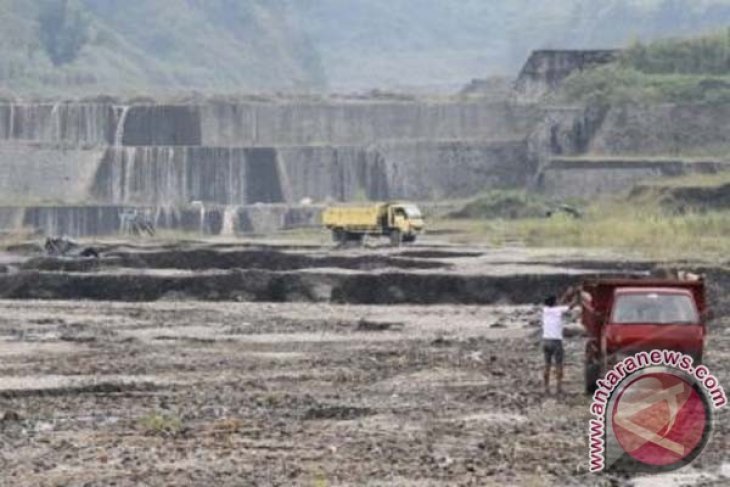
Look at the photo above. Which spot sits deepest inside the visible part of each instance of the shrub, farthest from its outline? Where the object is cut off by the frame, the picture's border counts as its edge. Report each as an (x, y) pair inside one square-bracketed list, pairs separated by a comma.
[(503, 204), (63, 30), (708, 54), (160, 424), (693, 70)]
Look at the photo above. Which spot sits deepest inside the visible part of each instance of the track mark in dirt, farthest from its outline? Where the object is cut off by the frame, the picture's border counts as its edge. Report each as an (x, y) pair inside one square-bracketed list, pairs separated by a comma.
[(365, 325), (98, 388), (334, 412)]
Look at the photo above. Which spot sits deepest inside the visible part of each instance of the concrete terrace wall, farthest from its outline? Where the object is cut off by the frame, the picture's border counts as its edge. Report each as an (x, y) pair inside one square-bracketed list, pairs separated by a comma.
[(99, 220), (361, 123), (405, 170), (663, 129), (72, 168), (75, 124), (261, 124), (633, 130), (586, 178), (239, 176), (31, 175), (181, 175)]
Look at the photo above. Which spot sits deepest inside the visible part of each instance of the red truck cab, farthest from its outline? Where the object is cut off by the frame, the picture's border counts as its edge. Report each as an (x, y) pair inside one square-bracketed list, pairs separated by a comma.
[(626, 316)]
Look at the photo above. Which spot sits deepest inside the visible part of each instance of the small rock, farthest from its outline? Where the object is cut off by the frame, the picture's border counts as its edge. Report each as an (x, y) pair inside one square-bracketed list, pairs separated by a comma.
[(11, 416)]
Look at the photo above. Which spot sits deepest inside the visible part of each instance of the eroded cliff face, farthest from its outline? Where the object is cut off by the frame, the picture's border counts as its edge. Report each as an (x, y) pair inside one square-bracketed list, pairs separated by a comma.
[(546, 69)]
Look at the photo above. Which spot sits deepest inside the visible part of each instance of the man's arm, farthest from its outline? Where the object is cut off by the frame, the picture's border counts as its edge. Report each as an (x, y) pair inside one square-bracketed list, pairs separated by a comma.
[(571, 297)]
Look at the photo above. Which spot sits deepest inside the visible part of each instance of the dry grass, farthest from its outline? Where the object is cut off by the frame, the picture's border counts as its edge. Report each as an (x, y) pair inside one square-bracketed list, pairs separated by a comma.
[(647, 230), (696, 181), (160, 424)]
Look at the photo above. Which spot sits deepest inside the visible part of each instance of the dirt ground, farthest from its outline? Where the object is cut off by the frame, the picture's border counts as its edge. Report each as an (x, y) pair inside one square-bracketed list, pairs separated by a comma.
[(307, 392)]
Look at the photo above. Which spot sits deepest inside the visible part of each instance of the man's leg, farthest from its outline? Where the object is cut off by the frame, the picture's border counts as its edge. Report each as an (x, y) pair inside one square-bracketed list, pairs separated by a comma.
[(559, 367), (547, 352)]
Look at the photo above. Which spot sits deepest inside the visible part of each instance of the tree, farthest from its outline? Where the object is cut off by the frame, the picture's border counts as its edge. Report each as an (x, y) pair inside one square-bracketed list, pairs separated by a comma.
[(63, 30)]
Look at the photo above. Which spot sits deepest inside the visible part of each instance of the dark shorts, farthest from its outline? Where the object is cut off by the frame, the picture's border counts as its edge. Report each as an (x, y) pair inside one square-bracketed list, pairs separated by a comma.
[(553, 348)]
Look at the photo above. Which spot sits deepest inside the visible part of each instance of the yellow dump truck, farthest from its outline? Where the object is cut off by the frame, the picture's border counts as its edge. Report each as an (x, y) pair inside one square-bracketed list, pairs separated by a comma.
[(401, 222)]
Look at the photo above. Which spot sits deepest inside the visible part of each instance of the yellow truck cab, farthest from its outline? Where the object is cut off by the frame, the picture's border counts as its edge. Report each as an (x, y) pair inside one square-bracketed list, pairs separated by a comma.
[(399, 221)]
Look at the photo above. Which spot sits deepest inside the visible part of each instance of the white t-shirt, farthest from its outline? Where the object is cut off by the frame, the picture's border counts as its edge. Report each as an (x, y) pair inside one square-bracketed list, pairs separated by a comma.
[(552, 322)]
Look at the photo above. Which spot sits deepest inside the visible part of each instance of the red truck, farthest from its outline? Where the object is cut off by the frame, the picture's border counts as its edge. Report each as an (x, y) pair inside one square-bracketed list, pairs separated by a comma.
[(626, 316)]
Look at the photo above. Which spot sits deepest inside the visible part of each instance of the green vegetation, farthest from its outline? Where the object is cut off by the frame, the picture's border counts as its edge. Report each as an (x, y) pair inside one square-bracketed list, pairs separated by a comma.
[(647, 229), (671, 70), (680, 217), (63, 30), (85, 47), (707, 55), (504, 204), (160, 424), (694, 181)]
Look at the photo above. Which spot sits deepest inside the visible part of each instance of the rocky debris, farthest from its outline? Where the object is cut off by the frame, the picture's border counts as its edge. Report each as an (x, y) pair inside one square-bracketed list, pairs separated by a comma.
[(62, 246), (10, 416), (366, 325)]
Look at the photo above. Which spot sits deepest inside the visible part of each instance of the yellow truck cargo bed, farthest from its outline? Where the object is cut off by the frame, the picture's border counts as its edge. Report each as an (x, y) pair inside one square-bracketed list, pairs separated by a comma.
[(353, 216)]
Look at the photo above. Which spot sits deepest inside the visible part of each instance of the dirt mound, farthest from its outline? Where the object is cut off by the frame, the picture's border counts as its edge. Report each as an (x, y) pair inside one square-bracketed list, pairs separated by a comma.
[(198, 259), (503, 204), (264, 285)]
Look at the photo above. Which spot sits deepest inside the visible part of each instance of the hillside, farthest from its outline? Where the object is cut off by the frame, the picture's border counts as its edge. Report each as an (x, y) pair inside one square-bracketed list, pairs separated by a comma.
[(146, 46), (150, 46), (440, 44)]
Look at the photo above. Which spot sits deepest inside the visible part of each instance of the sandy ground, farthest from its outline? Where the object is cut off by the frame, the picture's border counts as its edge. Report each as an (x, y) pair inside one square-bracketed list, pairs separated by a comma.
[(224, 393)]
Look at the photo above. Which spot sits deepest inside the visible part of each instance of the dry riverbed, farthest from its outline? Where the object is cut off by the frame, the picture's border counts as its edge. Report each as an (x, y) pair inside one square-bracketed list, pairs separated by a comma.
[(304, 392)]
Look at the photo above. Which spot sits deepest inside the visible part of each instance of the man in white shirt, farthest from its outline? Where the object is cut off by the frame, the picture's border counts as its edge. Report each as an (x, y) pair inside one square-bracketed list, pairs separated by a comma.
[(553, 317)]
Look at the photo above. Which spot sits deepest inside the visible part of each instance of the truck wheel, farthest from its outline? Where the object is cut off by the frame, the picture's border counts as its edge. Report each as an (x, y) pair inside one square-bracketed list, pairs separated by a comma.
[(338, 236), (592, 374), (396, 238), (354, 237)]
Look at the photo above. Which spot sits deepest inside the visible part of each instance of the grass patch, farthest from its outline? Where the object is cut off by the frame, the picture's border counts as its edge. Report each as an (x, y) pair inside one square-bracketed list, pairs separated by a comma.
[(160, 424), (618, 84), (705, 54), (695, 181), (690, 70), (647, 229)]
